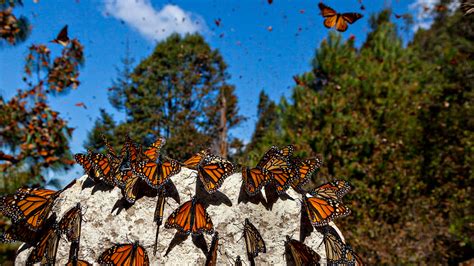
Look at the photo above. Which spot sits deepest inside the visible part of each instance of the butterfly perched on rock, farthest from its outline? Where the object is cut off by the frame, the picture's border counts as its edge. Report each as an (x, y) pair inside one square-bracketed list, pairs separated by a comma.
[(300, 254), (191, 217), (253, 240), (337, 20), (125, 254), (29, 205)]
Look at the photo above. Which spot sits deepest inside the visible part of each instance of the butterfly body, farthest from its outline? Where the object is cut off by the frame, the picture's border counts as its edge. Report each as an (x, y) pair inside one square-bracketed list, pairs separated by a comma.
[(190, 217), (339, 21)]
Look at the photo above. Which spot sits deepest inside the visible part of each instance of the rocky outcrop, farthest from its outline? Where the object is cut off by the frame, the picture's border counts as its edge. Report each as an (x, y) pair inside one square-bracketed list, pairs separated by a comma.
[(108, 219)]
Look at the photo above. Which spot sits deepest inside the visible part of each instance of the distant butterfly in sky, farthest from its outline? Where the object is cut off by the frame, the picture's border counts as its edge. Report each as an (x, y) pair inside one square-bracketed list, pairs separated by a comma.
[(338, 20), (62, 37)]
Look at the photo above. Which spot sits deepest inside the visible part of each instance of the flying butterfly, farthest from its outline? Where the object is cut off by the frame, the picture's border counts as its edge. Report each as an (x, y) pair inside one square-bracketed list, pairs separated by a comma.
[(322, 210), (300, 253), (338, 20), (125, 254), (304, 170), (194, 160), (153, 151), (62, 37), (277, 162), (158, 217), (31, 205), (190, 217), (213, 170), (45, 250), (253, 240), (211, 258), (333, 190)]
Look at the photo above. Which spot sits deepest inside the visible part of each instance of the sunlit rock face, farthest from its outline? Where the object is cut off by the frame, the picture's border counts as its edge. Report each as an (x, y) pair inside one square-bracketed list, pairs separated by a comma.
[(108, 219)]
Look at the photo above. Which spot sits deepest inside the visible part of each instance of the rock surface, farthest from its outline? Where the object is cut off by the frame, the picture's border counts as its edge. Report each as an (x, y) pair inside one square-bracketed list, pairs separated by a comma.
[(108, 219)]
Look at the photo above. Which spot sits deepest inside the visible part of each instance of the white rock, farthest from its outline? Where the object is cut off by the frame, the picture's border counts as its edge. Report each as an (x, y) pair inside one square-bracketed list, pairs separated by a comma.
[(106, 222)]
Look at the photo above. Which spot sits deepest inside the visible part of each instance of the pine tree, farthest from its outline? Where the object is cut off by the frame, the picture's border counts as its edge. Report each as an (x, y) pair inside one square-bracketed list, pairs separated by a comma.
[(178, 92)]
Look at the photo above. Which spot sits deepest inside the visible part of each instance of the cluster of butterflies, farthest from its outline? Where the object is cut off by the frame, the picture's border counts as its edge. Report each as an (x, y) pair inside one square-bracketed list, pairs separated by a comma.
[(136, 166)]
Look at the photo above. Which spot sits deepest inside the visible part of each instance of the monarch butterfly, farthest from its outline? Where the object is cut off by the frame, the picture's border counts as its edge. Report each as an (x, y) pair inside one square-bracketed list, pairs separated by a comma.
[(62, 37), (31, 205), (277, 162), (253, 240), (70, 223), (156, 174), (194, 160), (158, 217), (332, 18), (304, 170), (105, 167), (300, 253), (213, 170), (254, 179), (45, 250), (334, 190), (153, 151), (322, 210), (124, 254), (85, 161), (211, 259), (337, 252), (190, 217)]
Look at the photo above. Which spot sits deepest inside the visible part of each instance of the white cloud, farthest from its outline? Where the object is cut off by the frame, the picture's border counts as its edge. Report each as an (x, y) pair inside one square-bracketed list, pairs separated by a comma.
[(155, 25), (423, 10)]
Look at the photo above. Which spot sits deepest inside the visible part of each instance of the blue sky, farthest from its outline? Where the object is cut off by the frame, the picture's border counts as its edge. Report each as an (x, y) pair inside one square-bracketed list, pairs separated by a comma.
[(258, 59)]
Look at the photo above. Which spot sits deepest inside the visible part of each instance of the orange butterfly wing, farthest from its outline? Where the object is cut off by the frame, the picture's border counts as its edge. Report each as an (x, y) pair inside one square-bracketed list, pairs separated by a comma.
[(190, 217), (323, 210), (194, 160), (304, 170), (154, 150), (329, 14), (254, 179), (202, 222), (181, 218), (334, 190), (212, 172), (29, 205), (124, 254), (157, 173)]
